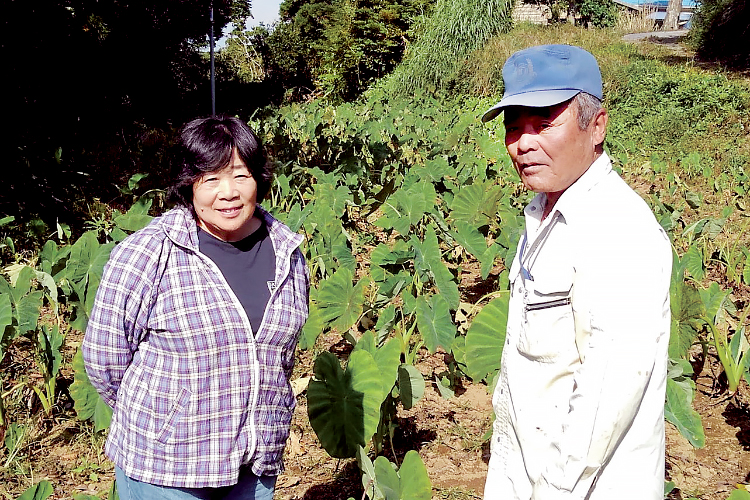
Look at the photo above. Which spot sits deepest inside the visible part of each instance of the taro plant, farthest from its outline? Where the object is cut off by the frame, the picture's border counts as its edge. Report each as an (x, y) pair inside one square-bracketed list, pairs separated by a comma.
[(732, 354), (382, 481)]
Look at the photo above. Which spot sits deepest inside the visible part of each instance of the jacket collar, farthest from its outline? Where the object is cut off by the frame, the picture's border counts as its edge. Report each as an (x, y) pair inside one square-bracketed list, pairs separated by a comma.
[(180, 227)]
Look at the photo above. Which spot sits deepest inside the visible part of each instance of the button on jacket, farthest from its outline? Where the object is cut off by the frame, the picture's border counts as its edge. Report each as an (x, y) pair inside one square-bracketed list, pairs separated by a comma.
[(579, 402), (196, 393)]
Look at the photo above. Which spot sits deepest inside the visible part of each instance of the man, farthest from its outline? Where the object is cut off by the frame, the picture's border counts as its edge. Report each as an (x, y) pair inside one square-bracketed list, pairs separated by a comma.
[(579, 402)]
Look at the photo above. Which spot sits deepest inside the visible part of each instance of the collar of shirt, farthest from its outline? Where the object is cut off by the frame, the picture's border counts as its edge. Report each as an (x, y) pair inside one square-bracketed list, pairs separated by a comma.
[(568, 205), (181, 228)]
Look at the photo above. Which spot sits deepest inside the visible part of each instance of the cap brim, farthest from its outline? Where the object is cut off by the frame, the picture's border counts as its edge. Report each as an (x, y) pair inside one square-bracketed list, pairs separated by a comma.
[(535, 99)]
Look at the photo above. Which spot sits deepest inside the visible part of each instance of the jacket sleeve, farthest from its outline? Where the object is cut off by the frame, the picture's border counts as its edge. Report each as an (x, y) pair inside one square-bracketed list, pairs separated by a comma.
[(622, 292), (118, 318)]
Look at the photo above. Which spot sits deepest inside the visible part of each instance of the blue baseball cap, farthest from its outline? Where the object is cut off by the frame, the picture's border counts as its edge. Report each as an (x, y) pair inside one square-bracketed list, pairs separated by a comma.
[(546, 75)]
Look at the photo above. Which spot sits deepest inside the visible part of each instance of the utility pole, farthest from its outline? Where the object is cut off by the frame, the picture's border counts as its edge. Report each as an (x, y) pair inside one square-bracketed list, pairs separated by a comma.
[(213, 73)]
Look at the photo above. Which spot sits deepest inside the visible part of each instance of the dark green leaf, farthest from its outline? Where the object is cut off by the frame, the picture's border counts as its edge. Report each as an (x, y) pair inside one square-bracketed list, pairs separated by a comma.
[(344, 406), (86, 401)]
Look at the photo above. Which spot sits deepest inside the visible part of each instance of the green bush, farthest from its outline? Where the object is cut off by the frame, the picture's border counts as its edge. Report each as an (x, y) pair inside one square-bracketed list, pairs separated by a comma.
[(720, 31), (600, 13), (444, 42)]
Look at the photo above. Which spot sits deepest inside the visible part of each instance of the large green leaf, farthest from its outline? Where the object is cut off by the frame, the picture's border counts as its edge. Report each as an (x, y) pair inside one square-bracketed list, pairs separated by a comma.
[(40, 491), (411, 482), (86, 401), (693, 261), (485, 339), (340, 302), (678, 408), (476, 204), (50, 341), (434, 322), (470, 239), (410, 385), (687, 310), (428, 259), (713, 299), (27, 311), (388, 358), (137, 216), (313, 327), (415, 483), (344, 406), (406, 207), (739, 495), (387, 478)]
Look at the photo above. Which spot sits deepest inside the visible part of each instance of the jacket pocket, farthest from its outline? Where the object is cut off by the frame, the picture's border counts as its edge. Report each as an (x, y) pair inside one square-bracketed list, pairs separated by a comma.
[(548, 328), (174, 415)]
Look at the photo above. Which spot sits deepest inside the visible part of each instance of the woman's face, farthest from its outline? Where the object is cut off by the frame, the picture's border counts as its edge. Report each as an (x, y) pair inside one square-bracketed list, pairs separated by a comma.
[(224, 201)]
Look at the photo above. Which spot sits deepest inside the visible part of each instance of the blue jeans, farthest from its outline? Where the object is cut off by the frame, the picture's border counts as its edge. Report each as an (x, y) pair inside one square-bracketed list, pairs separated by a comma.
[(248, 487)]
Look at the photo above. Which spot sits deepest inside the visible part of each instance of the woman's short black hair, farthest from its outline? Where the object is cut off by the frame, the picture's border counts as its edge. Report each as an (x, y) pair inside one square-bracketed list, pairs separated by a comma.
[(205, 145)]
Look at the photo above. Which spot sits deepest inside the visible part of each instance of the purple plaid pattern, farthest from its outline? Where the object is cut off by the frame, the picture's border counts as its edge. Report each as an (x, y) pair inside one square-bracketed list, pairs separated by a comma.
[(170, 348)]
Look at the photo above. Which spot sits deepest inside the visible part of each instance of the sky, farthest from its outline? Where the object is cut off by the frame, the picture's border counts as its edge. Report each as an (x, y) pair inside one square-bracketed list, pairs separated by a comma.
[(264, 11)]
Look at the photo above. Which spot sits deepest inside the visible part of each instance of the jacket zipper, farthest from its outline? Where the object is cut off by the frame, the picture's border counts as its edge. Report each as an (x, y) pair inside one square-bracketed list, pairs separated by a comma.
[(547, 305)]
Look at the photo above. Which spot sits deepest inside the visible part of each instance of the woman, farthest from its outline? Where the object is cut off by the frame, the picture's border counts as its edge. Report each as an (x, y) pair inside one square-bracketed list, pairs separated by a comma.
[(192, 336)]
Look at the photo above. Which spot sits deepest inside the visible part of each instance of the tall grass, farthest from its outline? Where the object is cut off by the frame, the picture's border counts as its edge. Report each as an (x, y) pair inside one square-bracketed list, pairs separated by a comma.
[(445, 40), (636, 22)]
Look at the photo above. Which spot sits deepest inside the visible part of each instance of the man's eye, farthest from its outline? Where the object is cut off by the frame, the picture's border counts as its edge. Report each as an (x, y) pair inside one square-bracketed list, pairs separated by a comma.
[(241, 176), (210, 179)]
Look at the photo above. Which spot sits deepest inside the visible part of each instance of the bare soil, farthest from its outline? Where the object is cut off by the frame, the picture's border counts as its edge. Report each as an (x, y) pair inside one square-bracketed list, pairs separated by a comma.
[(450, 435)]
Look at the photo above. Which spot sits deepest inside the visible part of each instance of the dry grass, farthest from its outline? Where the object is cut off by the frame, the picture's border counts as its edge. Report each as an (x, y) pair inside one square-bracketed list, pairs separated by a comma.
[(635, 22)]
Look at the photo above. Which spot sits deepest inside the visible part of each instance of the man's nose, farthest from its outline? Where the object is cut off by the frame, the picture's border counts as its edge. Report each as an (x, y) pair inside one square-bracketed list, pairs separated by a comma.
[(527, 140)]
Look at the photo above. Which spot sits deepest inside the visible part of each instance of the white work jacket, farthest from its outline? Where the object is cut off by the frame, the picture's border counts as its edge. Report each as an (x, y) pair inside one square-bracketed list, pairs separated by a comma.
[(579, 402)]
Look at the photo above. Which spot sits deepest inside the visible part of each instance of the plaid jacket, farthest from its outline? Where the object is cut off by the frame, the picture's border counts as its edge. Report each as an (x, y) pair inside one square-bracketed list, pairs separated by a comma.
[(170, 348)]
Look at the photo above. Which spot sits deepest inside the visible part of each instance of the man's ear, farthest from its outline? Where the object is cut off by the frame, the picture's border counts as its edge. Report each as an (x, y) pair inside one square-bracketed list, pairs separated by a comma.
[(599, 127)]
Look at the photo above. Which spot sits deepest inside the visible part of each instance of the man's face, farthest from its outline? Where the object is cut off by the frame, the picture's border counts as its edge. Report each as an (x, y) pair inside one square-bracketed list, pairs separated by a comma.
[(549, 150)]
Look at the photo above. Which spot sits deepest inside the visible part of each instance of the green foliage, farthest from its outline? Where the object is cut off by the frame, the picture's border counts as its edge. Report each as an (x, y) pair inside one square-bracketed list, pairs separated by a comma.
[(720, 29), (40, 491), (485, 339), (344, 405), (687, 311), (678, 408), (434, 322), (446, 38), (739, 494), (88, 404), (384, 481), (336, 48), (600, 13), (339, 302), (676, 111)]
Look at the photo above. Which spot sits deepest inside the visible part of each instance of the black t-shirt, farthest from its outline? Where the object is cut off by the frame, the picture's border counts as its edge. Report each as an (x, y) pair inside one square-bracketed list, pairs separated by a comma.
[(248, 265)]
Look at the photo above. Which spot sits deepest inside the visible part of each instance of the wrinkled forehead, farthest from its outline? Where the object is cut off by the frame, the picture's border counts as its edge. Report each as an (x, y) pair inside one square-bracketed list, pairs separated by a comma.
[(516, 113)]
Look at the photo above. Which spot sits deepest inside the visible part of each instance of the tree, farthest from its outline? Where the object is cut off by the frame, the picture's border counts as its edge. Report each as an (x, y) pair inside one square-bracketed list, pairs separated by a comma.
[(85, 80), (337, 48), (721, 29), (672, 18)]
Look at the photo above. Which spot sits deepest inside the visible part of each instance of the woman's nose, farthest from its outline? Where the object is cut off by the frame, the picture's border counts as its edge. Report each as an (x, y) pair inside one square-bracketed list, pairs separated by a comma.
[(227, 188)]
